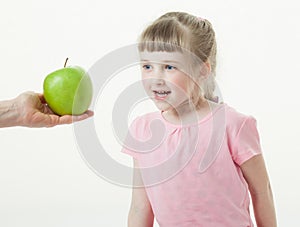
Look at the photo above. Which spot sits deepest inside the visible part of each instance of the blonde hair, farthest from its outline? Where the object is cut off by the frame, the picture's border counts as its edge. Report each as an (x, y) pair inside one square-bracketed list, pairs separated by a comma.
[(175, 30)]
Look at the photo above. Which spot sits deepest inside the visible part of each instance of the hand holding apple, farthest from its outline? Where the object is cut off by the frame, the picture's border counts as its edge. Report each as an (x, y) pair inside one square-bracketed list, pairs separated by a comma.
[(29, 109), (68, 91)]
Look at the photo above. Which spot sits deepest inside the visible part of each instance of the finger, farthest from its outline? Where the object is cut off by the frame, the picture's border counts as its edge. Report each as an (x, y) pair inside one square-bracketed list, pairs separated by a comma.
[(83, 116), (65, 119), (53, 119), (39, 119), (68, 119), (47, 110), (89, 113), (42, 98)]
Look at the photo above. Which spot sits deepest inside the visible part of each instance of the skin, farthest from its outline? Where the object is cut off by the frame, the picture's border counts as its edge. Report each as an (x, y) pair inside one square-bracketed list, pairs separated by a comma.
[(159, 74), (167, 71), (29, 109), (165, 77), (140, 213), (255, 173)]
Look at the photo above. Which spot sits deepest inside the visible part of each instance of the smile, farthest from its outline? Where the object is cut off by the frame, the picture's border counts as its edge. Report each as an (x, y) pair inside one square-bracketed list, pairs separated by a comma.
[(161, 94)]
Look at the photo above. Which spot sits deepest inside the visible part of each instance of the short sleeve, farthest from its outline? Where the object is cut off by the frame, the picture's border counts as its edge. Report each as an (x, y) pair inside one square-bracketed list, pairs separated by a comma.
[(129, 145), (247, 142)]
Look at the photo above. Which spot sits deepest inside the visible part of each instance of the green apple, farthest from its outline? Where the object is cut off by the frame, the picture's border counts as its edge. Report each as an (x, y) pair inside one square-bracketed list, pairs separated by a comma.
[(68, 90)]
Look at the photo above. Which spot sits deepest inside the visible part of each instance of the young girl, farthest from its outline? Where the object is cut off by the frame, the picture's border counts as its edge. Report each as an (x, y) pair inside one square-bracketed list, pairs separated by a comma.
[(197, 158)]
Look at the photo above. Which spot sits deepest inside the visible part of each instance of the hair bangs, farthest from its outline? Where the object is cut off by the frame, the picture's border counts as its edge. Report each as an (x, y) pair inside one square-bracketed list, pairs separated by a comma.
[(167, 35)]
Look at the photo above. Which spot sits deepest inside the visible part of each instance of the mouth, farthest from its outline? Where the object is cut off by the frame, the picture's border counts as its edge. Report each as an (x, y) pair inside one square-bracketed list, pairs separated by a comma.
[(161, 94)]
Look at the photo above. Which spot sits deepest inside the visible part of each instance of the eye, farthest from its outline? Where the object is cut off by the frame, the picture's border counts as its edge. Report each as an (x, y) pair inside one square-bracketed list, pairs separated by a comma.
[(147, 67), (170, 67)]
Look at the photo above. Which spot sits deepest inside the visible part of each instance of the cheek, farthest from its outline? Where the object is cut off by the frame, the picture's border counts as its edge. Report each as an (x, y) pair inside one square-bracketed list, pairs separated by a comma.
[(180, 82), (146, 84)]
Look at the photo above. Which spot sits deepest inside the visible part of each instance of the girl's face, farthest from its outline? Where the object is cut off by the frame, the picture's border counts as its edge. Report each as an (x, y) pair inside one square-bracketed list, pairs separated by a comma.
[(164, 79)]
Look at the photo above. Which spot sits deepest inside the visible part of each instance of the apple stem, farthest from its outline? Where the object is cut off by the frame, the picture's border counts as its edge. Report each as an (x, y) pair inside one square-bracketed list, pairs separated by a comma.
[(66, 62)]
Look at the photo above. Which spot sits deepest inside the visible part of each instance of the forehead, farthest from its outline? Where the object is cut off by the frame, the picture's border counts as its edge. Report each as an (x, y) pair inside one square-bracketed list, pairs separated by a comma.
[(163, 57)]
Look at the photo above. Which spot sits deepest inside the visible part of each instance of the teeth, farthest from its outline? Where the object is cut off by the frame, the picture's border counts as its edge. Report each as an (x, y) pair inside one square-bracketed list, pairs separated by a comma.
[(162, 92)]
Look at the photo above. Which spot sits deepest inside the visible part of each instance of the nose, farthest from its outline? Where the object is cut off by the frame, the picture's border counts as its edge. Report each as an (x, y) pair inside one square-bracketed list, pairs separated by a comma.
[(159, 77), (158, 81)]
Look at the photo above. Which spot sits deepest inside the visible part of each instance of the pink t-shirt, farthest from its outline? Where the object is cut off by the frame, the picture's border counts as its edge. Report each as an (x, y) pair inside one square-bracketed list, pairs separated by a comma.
[(191, 173)]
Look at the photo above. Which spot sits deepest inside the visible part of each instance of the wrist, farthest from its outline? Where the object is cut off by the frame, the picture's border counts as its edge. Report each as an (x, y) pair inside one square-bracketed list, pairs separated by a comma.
[(9, 113)]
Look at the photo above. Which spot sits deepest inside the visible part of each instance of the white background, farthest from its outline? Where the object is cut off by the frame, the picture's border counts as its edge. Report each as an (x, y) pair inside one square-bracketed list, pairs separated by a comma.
[(43, 179)]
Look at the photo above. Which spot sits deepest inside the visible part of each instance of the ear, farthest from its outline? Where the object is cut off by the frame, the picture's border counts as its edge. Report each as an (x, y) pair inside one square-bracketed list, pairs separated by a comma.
[(205, 69)]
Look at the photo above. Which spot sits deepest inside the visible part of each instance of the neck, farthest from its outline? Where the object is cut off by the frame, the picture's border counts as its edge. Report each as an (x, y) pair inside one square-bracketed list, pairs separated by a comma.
[(185, 112)]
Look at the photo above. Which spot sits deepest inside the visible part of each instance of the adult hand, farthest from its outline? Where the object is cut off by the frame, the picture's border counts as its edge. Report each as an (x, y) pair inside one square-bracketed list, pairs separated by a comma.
[(30, 109)]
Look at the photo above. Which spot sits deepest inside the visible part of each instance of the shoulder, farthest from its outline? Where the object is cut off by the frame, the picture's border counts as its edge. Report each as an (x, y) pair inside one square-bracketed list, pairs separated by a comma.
[(235, 119), (234, 115), (242, 135)]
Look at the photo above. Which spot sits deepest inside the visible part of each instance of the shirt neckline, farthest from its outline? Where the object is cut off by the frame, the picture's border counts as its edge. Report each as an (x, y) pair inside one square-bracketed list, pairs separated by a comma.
[(205, 118)]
